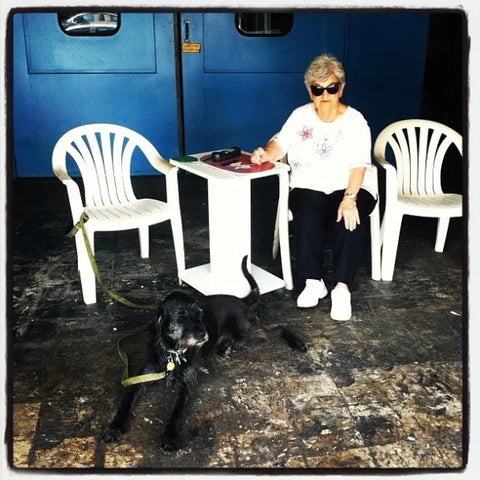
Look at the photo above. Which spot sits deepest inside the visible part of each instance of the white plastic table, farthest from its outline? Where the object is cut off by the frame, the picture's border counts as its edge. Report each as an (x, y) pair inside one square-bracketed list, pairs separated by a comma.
[(229, 217)]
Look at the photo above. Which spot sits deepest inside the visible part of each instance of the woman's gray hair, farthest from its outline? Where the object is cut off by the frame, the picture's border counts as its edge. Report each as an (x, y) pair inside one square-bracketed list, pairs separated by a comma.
[(322, 67)]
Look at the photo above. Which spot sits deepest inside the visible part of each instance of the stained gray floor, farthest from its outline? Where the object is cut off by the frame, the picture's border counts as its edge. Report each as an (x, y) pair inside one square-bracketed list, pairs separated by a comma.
[(384, 390)]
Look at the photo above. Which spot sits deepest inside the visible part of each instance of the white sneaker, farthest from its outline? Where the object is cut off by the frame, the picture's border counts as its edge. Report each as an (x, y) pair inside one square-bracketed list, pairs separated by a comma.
[(341, 306), (314, 291)]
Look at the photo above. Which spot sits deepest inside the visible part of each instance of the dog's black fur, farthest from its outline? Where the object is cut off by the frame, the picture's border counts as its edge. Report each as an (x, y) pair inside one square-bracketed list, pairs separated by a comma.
[(185, 330)]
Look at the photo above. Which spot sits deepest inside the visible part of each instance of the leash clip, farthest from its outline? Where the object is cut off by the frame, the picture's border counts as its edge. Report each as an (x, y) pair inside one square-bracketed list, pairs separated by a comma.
[(175, 358), (79, 225)]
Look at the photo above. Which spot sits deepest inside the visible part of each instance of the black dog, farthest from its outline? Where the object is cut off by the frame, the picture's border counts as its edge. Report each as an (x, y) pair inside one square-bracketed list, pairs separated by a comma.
[(186, 330)]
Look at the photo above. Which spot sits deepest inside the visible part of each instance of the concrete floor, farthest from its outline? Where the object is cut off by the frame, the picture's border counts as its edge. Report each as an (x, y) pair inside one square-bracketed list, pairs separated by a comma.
[(384, 390)]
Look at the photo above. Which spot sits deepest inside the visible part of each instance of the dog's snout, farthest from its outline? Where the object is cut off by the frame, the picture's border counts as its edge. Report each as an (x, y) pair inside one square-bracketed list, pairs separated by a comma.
[(198, 336)]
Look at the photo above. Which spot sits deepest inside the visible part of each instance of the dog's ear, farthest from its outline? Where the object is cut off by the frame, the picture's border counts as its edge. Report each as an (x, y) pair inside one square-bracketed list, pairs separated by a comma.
[(163, 327), (159, 317), (198, 310), (168, 305)]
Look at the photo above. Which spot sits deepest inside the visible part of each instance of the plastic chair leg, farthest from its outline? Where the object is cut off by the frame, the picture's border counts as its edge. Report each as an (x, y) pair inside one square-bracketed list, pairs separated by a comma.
[(177, 233), (375, 239), (143, 236), (391, 225), (276, 234), (87, 275), (283, 233), (442, 229), (282, 229), (87, 279)]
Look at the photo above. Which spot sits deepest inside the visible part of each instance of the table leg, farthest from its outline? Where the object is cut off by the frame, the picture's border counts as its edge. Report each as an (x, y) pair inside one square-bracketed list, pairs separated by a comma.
[(229, 215), (229, 212)]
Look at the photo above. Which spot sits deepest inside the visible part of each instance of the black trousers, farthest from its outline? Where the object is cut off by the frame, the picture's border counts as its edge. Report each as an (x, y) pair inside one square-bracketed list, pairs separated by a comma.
[(314, 225)]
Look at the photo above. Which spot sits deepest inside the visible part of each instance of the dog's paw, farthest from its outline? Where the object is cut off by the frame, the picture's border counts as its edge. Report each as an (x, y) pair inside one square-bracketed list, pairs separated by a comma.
[(112, 435), (169, 442), (224, 348), (293, 340)]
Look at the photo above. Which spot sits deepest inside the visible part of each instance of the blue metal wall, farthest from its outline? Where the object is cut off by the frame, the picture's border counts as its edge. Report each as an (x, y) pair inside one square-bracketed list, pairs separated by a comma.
[(237, 91), (385, 65), (61, 82), (250, 84)]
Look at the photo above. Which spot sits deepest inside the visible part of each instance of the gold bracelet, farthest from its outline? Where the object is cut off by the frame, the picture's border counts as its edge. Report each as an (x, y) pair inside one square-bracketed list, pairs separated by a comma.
[(351, 196)]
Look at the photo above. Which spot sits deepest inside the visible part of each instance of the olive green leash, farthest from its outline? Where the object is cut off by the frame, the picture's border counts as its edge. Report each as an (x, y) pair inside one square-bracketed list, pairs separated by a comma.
[(147, 377), (126, 380), (80, 225)]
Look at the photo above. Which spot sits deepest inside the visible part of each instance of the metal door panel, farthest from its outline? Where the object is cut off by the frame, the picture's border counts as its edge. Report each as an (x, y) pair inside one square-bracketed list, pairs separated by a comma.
[(240, 89), (385, 65), (248, 112), (227, 50), (50, 50), (48, 104)]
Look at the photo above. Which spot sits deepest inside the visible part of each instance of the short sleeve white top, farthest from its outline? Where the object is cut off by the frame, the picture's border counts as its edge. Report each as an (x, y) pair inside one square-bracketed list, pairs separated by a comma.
[(321, 154)]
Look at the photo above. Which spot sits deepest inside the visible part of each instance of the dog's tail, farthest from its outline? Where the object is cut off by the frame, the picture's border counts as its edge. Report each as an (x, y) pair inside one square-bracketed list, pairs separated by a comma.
[(254, 294)]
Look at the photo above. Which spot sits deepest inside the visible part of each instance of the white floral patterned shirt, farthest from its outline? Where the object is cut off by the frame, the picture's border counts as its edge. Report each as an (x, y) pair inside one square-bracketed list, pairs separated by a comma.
[(321, 154)]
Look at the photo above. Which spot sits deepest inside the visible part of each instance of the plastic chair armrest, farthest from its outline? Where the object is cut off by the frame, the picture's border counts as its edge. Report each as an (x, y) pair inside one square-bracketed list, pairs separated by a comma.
[(171, 180), (159, 163), (391, 194), (381, 160), (74, 198)]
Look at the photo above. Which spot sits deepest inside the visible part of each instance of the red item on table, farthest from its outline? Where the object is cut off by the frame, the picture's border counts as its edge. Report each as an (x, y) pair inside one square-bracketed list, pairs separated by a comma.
[(240, 164)]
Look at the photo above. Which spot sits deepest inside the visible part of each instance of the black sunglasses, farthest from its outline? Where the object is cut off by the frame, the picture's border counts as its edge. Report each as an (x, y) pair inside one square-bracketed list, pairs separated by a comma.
[(331, 89)]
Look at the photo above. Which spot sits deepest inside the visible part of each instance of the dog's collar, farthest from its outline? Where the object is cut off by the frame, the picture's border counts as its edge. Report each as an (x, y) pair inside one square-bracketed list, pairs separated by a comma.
[(175, 357)]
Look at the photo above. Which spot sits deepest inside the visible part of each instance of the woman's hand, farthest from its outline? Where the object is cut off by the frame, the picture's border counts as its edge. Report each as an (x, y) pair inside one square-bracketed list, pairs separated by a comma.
[(259, 155), (348, 211), (271, 153)]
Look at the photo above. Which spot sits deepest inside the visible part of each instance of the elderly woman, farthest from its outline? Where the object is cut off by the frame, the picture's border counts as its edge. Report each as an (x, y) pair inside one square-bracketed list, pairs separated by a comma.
[(328, 145)]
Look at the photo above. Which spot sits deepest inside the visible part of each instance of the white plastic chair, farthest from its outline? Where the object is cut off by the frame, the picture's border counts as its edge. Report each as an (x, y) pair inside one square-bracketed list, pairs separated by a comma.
[(414, 187), (375, 238), (103, 153)]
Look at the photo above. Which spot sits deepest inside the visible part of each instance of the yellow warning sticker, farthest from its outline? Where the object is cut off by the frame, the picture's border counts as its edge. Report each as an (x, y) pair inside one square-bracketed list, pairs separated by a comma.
[(191, 47)]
